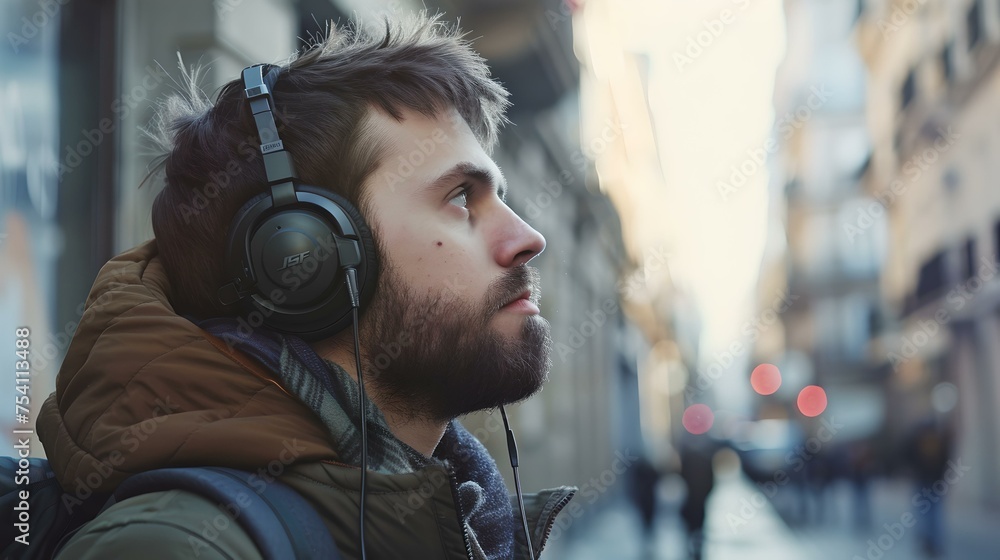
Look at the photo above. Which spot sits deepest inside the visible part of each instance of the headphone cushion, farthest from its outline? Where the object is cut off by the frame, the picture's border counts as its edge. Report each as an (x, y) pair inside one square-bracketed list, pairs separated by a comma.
[(330, 318), (364, 233)]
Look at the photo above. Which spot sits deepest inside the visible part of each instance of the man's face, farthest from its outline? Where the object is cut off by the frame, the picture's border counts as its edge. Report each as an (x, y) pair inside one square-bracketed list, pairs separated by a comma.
[(442, 336)]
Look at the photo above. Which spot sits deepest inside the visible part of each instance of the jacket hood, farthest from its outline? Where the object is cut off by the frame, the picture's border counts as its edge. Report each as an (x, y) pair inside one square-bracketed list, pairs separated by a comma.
[(143, 388)]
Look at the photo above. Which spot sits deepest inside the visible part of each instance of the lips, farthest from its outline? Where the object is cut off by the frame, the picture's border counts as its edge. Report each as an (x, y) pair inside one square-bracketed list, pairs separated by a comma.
[(526, 294), (519, 289)]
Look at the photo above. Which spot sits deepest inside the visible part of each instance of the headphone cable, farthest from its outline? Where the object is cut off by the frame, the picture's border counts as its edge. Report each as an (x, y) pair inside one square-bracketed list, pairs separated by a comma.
[(352, 288), (512, 450)]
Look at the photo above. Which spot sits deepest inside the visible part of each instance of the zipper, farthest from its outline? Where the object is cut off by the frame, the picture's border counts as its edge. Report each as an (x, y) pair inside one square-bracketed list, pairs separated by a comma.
[(461, 513), (552, 518)]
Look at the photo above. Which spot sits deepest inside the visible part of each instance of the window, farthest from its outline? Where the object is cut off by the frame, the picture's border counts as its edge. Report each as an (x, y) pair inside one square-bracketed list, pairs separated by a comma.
[(876, 320), (792, 188), (973, 25), (947, 69), (909, 89), (996, 240), (969, 259), (931, 278)]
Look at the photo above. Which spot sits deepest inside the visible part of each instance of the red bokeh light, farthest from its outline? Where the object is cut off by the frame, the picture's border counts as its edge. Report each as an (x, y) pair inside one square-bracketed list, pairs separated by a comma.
[(765, 379), (812, 400), (698, 419)]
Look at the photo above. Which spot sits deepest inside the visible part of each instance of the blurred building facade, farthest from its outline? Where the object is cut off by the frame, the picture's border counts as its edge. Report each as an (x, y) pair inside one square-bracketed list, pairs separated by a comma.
[(829, 279), (882, 113), (30, 241), (933, 106)]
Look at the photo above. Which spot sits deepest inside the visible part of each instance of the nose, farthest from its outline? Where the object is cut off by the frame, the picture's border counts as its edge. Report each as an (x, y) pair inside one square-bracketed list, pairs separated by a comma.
[(518, 242)]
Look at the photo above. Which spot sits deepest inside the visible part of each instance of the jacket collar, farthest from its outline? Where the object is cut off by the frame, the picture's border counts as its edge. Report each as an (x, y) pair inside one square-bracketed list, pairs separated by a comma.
[(541, 509)]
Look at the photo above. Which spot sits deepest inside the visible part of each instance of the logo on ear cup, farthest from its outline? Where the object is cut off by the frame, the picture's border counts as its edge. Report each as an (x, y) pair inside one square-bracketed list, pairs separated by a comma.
[(292, 260)]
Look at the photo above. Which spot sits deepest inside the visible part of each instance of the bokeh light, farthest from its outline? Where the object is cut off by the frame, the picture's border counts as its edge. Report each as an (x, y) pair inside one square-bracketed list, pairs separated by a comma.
[(765, 379), (944, 397), (698, 419), (812, 400)]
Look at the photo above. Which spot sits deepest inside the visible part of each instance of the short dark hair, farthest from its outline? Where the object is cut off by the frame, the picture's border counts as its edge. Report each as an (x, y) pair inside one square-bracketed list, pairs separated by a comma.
[(211, 157)]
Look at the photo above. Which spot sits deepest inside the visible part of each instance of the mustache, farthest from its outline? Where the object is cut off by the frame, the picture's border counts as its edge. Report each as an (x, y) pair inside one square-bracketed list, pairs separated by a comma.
[(511, 285)]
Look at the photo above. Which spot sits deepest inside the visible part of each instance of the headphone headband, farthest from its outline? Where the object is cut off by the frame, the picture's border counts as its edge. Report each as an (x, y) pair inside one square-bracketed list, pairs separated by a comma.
[(277, 161)]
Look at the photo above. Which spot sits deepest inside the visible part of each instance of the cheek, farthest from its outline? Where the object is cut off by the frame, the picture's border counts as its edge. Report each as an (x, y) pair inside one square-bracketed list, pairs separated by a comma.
[(430, 264), (437, 262), (445, 269)]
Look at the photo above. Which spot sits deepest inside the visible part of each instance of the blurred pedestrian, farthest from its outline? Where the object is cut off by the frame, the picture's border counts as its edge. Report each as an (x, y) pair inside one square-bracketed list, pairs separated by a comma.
[(928, 449), (696, 470), (642, 490), (861, 465)]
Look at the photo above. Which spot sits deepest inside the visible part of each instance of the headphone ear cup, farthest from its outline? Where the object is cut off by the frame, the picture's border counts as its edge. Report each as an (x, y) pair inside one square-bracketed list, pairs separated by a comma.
[(369, 281), (320, 308), (234, 257), (239, 216)]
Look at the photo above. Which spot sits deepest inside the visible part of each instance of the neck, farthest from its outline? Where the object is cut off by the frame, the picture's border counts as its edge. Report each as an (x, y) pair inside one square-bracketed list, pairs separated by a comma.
[(420, 433)]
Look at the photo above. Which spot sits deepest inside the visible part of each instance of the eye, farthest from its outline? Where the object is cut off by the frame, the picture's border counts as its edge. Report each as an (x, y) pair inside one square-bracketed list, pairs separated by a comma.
[(462, 198)]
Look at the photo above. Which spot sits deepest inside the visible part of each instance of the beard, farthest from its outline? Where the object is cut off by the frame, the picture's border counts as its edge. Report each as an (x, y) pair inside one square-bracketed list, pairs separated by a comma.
[(437, 357)]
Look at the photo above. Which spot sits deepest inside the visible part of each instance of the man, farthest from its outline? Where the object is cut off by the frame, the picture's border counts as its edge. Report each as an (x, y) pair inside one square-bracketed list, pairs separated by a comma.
[(162, 373)]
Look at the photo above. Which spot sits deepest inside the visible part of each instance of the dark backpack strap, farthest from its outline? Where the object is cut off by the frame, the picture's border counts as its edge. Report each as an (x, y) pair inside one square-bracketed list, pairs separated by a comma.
[(52, 512), (280, 521)]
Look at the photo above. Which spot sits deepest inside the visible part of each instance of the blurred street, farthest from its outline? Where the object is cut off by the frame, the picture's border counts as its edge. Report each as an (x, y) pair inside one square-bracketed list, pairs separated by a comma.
[(613, 533)]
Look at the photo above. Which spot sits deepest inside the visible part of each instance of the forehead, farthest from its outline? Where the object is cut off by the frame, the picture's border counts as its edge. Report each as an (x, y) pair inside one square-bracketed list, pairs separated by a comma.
[(419, 149)]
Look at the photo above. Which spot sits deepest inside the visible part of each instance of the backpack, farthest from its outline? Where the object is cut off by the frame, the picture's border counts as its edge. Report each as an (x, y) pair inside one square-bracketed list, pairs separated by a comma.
[(36, 521)]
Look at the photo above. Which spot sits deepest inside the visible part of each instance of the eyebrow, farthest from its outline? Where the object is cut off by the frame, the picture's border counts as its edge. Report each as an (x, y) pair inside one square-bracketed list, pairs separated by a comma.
[(467, 169)]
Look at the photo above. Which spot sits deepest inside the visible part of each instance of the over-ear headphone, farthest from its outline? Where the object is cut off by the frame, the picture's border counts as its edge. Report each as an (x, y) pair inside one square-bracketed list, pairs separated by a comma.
[(289, 250)]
